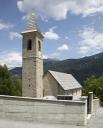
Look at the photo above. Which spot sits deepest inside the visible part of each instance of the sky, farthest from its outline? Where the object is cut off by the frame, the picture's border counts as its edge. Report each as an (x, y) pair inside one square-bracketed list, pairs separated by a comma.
[(71, 28)]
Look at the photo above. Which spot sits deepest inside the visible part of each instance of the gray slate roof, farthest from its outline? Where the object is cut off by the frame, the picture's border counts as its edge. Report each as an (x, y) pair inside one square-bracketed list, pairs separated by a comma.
[(32, 25), (66, 81)]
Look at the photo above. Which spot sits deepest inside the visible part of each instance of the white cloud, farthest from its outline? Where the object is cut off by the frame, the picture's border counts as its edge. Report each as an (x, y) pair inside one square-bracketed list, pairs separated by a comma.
[(51, 35), (66, 38), (25, 17), (64, 47), (13, 35), (11, 59), (45, 57), (5, 26), (91, 42), (44, 19), (54, 55), (59, 9)]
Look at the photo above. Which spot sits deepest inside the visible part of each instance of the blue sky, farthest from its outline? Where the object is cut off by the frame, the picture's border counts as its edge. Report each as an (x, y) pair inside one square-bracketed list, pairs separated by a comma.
[(72, 29)]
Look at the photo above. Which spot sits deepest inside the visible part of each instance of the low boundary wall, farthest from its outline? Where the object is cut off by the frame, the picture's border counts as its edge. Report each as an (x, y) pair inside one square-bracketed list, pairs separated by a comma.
[(96, 104), (50, 111)]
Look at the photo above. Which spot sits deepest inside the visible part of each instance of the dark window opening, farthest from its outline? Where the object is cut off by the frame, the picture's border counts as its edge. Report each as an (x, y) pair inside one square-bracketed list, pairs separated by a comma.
[(39, 45), (43, 92), (29, 45), (64, 97)]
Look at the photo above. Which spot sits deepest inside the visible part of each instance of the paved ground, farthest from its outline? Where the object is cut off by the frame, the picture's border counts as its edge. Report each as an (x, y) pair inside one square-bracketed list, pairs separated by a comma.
[(95, 122)]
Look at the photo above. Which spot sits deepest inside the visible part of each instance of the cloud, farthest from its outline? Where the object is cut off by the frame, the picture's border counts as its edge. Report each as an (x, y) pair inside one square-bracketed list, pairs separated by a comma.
[(66, 38), (44, 19), (11, 59), (5, 26), (92, 41), (64, 47), (51, 35), (25, 17), (45, 57), (13, 35), (54, 55), (59, 9)]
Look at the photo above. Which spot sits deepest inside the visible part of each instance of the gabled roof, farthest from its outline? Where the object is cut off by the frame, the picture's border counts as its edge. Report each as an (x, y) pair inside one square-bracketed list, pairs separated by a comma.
[(66, 81)]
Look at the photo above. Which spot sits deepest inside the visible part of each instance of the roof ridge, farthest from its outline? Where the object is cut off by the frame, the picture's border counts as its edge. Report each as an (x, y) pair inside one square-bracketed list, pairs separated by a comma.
[(59, 72)]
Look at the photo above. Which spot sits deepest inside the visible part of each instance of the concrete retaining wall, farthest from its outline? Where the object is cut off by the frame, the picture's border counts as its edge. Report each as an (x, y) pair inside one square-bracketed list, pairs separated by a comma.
[(96, 104), (29, 109)]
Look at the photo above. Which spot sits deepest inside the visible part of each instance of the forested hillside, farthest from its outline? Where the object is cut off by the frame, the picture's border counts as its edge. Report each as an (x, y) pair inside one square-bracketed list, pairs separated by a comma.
[(80, 68)]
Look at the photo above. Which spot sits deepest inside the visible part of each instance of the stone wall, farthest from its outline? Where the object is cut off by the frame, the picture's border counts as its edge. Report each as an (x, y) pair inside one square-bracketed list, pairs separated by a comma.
[(96, 104), (32, 65), (30, 109), (51, 87)]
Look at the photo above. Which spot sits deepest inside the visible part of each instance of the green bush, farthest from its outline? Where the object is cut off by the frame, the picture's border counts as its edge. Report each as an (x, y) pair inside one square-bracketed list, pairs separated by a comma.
[(9, 85), (95, 85)]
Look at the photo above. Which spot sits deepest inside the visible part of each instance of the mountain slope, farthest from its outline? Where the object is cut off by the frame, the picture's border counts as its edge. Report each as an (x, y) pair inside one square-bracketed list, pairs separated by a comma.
[(79, 68)]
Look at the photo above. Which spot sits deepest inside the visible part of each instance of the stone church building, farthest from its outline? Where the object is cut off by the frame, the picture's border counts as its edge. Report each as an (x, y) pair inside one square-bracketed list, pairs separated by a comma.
[(57, 83), (34, 83)]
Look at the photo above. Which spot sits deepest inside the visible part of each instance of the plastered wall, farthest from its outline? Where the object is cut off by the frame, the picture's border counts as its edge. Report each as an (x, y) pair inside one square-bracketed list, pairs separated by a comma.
[(29, 109)]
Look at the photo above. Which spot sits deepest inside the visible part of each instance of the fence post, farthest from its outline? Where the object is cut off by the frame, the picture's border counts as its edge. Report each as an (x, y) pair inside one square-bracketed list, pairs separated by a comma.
[(90, 102)]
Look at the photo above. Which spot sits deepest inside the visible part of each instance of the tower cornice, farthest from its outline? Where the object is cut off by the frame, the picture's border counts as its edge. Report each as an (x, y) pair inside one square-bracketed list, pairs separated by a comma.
[(31, 31)]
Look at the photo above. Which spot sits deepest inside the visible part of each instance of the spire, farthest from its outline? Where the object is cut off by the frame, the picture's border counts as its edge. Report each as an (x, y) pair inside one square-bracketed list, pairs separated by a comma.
[(32, 25)]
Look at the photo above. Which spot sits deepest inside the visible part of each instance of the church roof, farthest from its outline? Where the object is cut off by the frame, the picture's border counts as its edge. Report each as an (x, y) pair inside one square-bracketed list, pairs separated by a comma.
[(66, 81), (32, 25)]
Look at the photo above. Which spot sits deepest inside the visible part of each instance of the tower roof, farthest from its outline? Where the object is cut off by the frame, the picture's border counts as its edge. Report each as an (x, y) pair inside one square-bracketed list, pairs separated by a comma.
[(32, 25)]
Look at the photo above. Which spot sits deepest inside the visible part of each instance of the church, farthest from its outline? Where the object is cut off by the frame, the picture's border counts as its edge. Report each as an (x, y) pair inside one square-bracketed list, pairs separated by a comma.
[(34, 82), (53, 97)]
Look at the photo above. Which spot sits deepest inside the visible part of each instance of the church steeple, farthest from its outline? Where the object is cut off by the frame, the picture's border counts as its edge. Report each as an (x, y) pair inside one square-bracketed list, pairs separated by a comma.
[(32, 60), (32, 25)]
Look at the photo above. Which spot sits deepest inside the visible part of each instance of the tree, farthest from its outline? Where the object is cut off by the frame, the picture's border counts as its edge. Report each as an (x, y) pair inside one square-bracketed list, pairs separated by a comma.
[(95, 85), (8, 85)]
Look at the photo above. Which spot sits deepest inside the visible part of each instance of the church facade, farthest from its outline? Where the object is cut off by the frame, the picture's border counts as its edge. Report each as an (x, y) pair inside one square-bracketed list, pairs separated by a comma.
[(34, 83)]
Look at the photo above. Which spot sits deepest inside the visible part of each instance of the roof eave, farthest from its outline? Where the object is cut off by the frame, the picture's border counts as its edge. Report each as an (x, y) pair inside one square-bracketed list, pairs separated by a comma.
[(73, 88), (30, 31)]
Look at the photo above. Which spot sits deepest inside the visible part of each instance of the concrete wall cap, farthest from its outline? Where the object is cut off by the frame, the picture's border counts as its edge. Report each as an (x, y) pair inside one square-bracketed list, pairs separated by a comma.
[(40, 99), (90, 92)]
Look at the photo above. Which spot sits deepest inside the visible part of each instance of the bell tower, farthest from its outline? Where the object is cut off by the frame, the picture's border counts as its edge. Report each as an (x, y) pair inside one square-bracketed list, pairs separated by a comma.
[(32, 60)]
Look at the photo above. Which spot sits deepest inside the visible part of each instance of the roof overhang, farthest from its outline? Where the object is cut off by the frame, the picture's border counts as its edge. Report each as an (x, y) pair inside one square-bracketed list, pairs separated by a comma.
[(31, 31)]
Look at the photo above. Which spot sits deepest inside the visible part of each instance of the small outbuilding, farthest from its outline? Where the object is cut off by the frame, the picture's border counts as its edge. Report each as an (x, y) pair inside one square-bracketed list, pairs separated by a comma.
[(57, 83)]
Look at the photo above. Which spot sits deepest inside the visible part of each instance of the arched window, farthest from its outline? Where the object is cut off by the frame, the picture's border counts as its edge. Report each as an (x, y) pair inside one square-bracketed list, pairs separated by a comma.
[(29, 44), (39, 45)]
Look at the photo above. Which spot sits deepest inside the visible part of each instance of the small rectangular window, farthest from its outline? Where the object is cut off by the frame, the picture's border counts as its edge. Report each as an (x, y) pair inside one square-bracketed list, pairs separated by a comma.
[(39, 46)]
